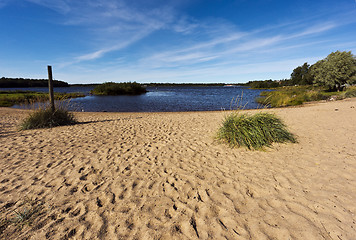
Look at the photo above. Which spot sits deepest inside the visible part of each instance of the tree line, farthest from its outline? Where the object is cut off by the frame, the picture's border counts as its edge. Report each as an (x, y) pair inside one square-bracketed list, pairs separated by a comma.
[(25, 82), (336, 72)]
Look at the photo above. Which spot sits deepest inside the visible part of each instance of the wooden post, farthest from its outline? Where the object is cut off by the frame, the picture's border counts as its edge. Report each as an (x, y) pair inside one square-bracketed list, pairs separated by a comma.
[(50, 85)]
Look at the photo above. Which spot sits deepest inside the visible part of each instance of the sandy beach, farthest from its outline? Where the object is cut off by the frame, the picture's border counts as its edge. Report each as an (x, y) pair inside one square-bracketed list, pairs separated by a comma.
[(162, 176)]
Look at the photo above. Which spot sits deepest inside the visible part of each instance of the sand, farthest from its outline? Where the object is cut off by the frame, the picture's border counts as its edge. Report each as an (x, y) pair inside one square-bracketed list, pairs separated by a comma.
[(162, 176)]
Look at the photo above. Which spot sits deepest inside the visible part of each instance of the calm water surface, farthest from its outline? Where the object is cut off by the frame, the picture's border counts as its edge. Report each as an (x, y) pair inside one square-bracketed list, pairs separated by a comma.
[(162, 99)]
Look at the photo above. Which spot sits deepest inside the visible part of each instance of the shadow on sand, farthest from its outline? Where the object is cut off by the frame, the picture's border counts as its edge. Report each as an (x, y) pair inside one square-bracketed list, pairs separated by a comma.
[(106, 120)]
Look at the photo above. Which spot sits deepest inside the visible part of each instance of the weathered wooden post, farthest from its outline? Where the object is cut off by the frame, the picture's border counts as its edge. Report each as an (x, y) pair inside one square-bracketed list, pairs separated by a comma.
[(50, 85)]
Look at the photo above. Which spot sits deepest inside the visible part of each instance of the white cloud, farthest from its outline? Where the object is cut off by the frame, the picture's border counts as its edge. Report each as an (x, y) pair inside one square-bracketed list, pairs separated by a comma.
[(202, 51), (185, 25), (256, 44), (99, 53), (93, 55), (319, 28)]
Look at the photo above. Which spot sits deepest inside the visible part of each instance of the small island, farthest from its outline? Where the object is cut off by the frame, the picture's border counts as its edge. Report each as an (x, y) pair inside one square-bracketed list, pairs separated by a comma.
[(125, 88)]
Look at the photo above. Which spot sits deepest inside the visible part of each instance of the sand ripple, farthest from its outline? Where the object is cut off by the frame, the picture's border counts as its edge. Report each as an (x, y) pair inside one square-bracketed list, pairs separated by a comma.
[(162, 176)]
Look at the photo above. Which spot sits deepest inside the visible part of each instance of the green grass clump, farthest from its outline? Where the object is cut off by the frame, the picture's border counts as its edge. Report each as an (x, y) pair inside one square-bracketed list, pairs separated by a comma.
[(44, 117), (253, 131), (126, 88)]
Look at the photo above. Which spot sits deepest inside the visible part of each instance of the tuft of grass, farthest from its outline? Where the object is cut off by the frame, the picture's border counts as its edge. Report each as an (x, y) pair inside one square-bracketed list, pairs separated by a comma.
[(253, 131), (44, 117), (26, 213), (125, 88)]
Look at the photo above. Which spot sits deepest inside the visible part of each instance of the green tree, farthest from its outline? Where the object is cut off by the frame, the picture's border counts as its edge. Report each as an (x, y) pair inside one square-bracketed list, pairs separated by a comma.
[(335, 71), (301, 75)]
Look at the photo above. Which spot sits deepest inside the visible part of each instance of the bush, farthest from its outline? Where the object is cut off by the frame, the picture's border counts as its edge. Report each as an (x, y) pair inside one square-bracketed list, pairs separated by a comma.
[(44, 117), (253, 131), (126, 88)]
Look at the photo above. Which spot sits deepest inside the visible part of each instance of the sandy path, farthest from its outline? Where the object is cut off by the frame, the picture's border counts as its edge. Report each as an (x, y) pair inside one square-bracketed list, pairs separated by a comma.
[(162, 176)]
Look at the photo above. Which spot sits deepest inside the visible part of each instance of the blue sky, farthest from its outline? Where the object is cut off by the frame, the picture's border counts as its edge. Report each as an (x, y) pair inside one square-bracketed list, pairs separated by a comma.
[(192, 41)]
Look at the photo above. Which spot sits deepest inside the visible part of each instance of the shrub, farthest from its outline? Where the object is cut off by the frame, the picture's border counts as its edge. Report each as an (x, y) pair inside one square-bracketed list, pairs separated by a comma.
[(44, 117), (126, 88), (253, 131)]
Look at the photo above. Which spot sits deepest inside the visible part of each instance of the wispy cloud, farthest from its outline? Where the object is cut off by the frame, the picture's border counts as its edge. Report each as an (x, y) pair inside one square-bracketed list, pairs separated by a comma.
[(116, 25), (185, 25), (112, 25), (227, 56), (154, 40), (319, 28), (255, 44), (120, 45), (199, 52), (93, 55), (231, 46)]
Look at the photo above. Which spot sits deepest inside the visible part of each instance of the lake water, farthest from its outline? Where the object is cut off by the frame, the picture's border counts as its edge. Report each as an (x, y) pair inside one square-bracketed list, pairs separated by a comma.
[(162, 99)]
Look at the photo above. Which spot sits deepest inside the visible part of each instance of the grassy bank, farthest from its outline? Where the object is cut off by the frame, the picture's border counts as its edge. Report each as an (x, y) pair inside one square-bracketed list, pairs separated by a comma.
[(10, 98), (297, 95), (126, 88)]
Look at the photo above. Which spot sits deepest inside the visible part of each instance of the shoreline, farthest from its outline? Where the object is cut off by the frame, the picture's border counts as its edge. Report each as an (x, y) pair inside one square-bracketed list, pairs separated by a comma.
[(305, 104), (150, 175)]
